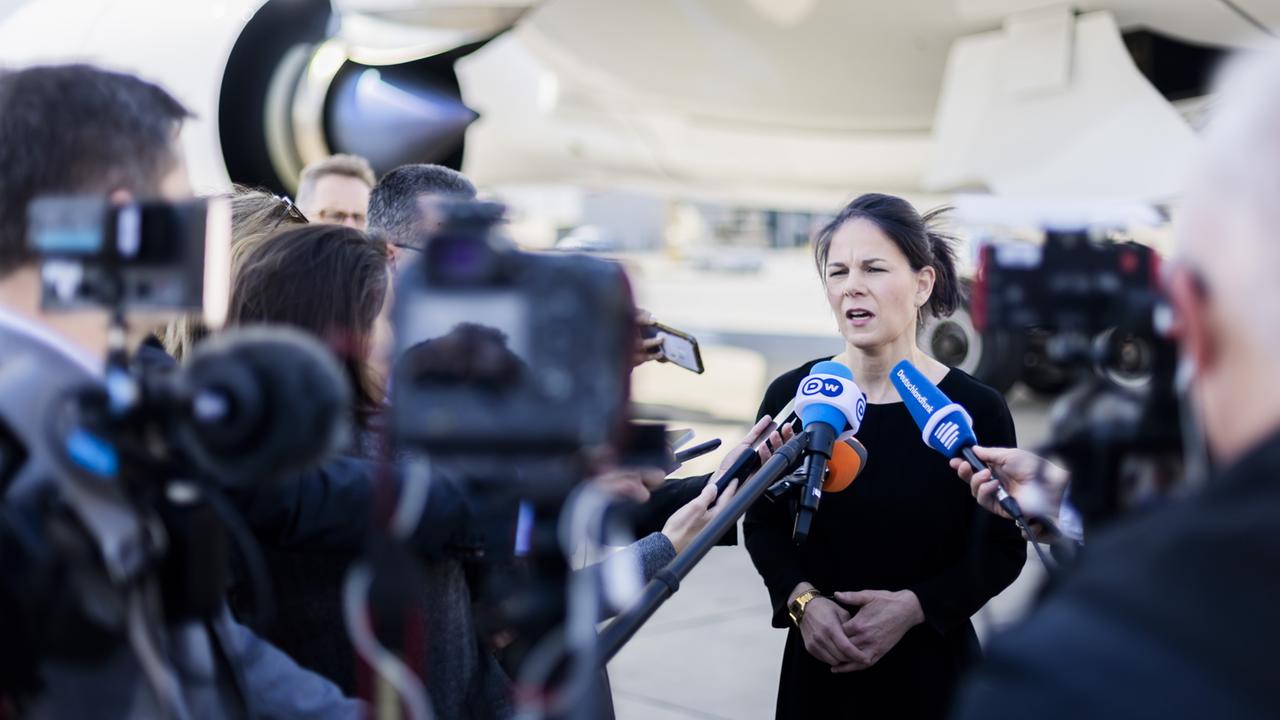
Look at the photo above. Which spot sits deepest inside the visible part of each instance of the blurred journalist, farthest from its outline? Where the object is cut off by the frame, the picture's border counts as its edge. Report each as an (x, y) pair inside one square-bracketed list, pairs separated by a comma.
[(81, 130)]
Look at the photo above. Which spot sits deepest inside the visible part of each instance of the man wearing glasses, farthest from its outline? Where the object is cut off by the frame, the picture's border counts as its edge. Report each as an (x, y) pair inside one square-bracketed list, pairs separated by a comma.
[(336, 191)]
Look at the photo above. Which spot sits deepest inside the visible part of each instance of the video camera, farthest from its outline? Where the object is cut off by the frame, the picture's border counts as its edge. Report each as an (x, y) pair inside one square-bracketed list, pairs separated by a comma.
[(513, 371), (149, 255), (1073, 283), (119, 476), (506, 353), (1096, 296), (254, 403)]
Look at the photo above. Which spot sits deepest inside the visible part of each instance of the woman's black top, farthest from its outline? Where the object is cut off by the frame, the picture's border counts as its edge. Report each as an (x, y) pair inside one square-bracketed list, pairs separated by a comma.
[(906, 523)]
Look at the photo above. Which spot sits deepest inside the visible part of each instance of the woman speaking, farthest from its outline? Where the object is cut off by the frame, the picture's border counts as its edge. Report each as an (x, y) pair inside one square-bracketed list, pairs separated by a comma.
[(878, 600)]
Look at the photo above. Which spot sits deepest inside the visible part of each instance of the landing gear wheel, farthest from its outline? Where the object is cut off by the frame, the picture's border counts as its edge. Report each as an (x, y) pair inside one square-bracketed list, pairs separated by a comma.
[(993, 357), (1039, 373)]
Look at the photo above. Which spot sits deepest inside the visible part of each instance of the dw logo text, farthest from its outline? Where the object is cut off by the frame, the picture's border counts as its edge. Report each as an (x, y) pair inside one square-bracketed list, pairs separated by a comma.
[(813, 386)]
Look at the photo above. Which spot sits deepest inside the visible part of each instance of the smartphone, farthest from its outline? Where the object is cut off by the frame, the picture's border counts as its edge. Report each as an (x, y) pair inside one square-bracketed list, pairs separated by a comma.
[(677, 437), (678, 347)]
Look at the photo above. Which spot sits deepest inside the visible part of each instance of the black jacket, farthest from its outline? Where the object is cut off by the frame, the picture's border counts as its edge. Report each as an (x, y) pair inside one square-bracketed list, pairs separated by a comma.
[(314, 525), (331, 508), (1169, 615)]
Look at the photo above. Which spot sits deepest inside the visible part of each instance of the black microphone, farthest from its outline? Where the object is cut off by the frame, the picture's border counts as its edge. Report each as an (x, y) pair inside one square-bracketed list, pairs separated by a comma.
[(697, 451), (1006, 500), (747, 462)]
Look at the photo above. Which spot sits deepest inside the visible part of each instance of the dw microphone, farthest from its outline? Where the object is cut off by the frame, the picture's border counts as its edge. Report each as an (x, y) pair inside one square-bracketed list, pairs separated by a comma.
[(828, 402)]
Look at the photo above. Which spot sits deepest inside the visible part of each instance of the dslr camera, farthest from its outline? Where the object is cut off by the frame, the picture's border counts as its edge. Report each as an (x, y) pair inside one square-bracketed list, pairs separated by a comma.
[(504, 353), (117, 478), (513, 370)]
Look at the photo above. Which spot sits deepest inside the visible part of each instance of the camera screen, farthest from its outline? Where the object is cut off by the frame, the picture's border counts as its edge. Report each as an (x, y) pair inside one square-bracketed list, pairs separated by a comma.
[(480, 338), (67, 226)]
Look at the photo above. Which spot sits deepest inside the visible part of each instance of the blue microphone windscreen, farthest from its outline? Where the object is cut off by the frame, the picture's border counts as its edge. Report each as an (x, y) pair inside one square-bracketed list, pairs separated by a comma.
[(825, 410), (952, 433), (831, 367), (921, 397)]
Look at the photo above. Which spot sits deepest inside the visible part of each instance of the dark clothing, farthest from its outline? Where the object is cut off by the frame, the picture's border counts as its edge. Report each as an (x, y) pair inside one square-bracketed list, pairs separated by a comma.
[(313, 526), (112, 683), (1169, 615), (152, 355), (906, 523), (461, 675), (331, 508)]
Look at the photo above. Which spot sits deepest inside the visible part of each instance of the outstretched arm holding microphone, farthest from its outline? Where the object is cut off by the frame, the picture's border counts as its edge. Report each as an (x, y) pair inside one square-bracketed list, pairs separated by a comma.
[(1039, 486), (947, 428)]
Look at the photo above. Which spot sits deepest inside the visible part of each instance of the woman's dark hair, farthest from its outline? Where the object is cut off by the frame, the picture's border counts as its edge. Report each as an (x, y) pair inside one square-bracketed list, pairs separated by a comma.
[(916, 235), (329, 280)]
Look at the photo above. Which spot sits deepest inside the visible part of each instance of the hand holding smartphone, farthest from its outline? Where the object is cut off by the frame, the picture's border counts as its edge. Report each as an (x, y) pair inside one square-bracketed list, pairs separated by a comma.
[(678, 347)]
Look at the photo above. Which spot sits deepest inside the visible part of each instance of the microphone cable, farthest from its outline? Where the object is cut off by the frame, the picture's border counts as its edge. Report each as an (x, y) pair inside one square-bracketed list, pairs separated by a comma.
[(1012, 507), (410, 507), (1032, 537)]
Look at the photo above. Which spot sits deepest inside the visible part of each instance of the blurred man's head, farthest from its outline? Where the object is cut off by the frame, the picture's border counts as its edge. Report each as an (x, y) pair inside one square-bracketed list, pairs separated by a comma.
[(1225, 285), (336, 190), (75, 129), (400, 206)]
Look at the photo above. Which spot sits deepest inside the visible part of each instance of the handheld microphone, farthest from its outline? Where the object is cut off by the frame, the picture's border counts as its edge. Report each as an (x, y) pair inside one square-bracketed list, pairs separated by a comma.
[(944, 426), (828, 402), (848, 457), (697, 451), (748, 461)]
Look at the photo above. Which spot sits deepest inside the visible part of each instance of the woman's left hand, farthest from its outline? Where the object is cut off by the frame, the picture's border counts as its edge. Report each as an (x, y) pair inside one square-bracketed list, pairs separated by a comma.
[(883, 618)]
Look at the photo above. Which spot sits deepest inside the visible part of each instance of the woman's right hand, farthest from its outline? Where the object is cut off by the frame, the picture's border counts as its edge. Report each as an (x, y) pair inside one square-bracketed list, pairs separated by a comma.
[(822, 627)]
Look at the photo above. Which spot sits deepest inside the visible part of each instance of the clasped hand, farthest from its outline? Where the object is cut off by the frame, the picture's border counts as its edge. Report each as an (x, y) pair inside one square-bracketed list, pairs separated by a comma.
[(849, 642)]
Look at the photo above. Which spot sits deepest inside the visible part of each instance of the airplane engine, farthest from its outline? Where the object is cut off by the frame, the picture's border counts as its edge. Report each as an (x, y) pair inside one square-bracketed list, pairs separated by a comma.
[(275, 85)]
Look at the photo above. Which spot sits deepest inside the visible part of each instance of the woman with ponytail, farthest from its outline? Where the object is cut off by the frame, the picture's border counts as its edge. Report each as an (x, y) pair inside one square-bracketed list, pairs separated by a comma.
[(877, 601)]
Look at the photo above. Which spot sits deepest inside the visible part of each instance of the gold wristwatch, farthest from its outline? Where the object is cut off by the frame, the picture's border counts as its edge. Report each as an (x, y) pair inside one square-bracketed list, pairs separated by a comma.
[(796, 608)]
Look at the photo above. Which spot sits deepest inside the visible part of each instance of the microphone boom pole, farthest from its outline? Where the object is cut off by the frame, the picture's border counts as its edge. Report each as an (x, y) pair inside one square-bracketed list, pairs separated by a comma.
[(667, 580)]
